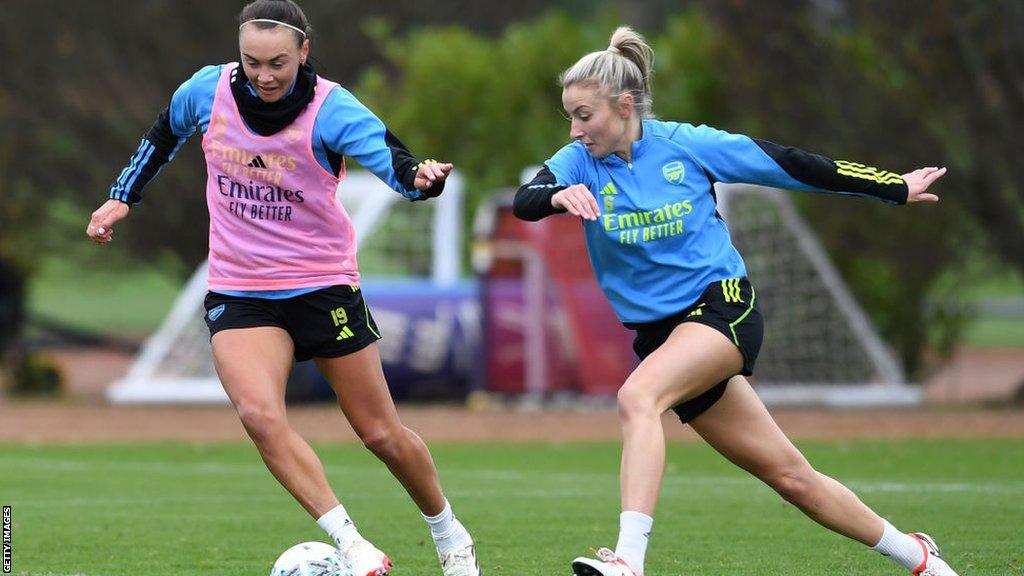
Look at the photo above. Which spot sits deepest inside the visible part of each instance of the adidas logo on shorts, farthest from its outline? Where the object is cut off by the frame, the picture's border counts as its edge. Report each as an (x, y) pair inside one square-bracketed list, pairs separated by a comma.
[(215, 313)]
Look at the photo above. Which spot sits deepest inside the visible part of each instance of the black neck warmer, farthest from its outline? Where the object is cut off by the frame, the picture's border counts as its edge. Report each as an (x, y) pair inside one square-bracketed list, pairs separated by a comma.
[(267, 118)]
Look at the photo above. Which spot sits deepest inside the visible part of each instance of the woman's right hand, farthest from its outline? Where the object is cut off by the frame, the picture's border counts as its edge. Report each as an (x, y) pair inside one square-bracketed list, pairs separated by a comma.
[(101, 225), (578, 200)]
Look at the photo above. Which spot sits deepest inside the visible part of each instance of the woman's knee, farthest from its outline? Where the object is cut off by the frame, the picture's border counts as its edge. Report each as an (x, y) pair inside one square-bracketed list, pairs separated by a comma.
[(798, 486), (637, 401), (384, 441), (261, 422)]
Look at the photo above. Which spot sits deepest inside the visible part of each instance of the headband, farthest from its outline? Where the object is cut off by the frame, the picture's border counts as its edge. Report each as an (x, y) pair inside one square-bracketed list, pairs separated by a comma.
[(269, 21)]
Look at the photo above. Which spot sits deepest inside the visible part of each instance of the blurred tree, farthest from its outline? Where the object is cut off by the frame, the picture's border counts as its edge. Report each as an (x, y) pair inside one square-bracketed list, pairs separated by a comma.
[(927, 83), (500, 110)]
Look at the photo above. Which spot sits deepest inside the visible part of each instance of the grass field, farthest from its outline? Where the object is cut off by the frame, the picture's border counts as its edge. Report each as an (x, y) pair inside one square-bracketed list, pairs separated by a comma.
[(162, 509), (129, 302)]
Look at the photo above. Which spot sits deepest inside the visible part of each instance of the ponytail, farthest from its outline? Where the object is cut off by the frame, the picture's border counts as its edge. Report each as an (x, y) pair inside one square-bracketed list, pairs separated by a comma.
[(625, 66)]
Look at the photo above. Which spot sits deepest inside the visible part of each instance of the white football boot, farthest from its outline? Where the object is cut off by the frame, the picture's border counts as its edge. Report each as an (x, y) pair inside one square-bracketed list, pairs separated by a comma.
[(460, 561), (366, 560), (607, 564), (933, 564)]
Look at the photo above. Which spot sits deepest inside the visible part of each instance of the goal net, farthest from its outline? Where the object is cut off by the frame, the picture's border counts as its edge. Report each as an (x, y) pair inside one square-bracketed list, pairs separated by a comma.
[(819, 347), (397, 238)]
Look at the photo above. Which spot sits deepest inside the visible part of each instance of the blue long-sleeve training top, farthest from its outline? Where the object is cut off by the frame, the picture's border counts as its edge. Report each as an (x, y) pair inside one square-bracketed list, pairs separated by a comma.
[(659, 241), (343, 127)]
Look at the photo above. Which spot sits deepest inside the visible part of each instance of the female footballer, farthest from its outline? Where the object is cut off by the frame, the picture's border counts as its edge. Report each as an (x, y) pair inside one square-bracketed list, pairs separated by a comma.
[(283, 281), (665, 260)]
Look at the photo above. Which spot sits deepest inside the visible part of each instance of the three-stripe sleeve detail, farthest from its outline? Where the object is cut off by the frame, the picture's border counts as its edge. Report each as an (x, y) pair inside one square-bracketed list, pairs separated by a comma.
[(856, 170)]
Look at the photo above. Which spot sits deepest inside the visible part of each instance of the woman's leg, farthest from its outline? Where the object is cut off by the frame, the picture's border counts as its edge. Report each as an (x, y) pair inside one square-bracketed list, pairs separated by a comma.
[(358, 380), (740, 428), (253, 365), (693, 359)]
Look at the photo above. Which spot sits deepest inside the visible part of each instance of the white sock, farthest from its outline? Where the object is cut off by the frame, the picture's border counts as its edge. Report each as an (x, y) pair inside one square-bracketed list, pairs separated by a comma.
[(339, 526), (902, 548), (448, 532), (634, 532)]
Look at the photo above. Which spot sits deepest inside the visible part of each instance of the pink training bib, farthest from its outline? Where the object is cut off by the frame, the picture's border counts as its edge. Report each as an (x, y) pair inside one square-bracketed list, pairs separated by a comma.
[(275, 222)]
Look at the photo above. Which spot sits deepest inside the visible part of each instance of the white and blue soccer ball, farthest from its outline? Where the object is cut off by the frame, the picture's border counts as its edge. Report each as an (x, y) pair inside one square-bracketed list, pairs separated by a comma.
[(311, 559)]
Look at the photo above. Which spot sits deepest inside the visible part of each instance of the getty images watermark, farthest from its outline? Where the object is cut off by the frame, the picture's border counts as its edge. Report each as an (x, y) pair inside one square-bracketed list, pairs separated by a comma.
[(7, 539)]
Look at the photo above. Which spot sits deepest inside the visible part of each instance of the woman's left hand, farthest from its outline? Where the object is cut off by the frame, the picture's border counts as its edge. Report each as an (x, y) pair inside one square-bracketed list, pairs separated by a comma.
[(918, 181), (430, 171)]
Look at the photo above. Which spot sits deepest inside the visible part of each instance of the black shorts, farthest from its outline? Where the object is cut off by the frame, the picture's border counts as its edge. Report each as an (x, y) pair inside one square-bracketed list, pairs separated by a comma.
[(327, 323), (729, 306)]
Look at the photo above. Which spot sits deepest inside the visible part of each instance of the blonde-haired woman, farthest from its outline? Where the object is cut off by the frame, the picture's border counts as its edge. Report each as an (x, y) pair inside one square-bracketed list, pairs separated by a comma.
[(664, 258)]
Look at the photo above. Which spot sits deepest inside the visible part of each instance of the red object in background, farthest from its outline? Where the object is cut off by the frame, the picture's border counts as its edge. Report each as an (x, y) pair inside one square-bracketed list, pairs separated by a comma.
[(547, 325)]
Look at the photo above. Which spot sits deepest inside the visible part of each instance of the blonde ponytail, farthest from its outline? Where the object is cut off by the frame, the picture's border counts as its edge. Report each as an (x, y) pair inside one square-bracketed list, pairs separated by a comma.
[(625, 66)]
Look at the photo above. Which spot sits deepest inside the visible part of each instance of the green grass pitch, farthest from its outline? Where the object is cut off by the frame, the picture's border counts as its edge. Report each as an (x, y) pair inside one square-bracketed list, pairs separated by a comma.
[(184, 509)]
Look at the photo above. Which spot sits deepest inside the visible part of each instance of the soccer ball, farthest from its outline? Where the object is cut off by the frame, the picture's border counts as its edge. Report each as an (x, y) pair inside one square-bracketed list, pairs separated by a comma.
[(311, 559)]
